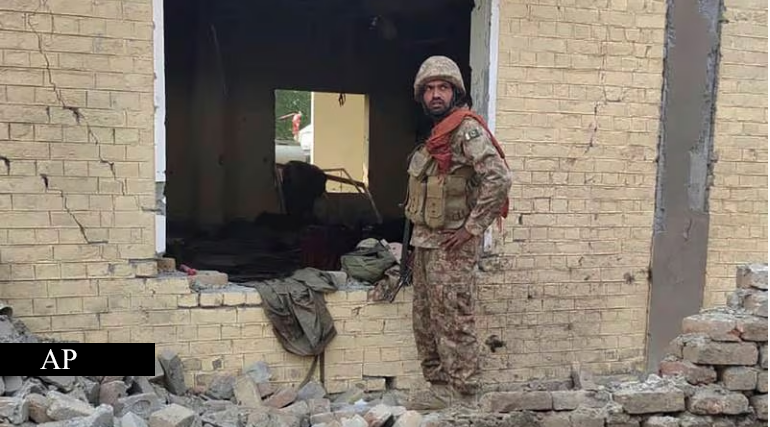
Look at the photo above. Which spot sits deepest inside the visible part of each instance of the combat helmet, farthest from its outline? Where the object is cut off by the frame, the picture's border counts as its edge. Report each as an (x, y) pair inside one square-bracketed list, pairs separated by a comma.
[(438, 67)]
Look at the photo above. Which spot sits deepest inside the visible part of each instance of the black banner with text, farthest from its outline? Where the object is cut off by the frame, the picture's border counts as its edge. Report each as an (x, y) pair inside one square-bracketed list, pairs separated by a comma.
[(77, 359)]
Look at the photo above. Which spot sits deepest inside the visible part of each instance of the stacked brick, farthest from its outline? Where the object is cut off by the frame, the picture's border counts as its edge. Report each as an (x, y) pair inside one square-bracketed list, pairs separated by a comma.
[(715, 375), (723, 351)]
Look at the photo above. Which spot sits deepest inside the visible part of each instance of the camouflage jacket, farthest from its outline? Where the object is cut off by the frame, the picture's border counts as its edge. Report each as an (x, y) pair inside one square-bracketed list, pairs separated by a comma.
[(472, 146)]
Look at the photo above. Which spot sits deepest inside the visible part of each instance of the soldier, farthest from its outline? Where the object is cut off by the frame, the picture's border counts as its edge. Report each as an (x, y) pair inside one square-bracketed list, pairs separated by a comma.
[(458, 185)]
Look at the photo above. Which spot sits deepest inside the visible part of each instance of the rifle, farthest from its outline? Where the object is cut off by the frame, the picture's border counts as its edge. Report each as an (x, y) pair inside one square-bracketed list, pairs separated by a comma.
[(405, 273)]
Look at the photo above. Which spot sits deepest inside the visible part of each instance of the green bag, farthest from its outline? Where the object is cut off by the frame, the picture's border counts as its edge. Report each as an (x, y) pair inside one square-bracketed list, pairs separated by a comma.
[(368, 262)]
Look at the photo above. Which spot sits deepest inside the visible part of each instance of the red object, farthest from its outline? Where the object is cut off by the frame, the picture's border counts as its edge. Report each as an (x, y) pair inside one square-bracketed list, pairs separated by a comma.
[(296, 120), (439, 142), (188, 270)]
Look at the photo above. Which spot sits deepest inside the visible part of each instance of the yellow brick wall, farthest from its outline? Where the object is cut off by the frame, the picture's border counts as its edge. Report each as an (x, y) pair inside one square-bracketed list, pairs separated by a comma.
[(578, 112), (224, 331), (76, 140), (738, 199)]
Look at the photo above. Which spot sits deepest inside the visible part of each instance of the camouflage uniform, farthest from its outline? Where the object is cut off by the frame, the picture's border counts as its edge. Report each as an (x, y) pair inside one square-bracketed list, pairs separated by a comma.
[(444, 282)]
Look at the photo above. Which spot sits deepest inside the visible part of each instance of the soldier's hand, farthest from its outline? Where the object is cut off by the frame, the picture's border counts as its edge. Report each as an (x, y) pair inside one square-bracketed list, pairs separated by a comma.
[(456, 240)]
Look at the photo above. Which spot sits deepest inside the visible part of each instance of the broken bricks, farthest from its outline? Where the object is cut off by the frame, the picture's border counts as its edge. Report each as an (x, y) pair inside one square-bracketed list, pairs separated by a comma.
[(173, 372), (174, 416), (143, 405), (650, 397), (64, 407), (14, 410), (246, 392)]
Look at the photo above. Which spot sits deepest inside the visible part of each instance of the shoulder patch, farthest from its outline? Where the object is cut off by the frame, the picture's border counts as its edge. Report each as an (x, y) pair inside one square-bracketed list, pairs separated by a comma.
[(472, 134)]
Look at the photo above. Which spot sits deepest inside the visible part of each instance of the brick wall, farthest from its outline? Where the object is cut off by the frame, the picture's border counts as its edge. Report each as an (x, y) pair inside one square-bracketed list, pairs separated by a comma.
[(76, 144), (226, 330), (738, 199), (578, 112)]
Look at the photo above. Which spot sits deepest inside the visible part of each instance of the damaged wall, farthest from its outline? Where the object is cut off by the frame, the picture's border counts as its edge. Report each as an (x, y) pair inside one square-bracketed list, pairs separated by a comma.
[(77, 190), (231, 170), (738, 195), (578, 110)]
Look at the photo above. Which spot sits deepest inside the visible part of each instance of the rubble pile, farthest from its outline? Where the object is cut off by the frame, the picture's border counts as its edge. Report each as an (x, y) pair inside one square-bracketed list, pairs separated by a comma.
[(164, 400), (714, 376)]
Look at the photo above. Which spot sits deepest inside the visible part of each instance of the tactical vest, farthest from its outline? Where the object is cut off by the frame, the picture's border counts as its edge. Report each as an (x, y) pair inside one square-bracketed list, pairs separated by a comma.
[(437, 201)]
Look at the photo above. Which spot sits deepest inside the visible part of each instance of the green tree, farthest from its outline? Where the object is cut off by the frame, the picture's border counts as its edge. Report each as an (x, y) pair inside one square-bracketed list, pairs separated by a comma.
[(288, 102)]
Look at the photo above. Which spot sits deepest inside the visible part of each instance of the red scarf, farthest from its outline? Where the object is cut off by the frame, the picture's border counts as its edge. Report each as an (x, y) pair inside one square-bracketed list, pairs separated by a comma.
[(439, 143)]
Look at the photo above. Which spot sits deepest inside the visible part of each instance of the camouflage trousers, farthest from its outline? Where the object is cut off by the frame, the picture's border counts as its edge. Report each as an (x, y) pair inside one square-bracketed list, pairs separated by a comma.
[(443, 315)]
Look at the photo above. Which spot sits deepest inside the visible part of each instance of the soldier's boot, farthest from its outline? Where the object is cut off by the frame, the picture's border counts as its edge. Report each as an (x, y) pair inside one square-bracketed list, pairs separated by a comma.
[(432, 398)]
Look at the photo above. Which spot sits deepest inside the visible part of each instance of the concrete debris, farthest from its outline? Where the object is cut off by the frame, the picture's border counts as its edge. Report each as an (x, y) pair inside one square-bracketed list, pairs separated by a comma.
[(752, 276), (378, 416), (229, 417), (143, 405), (101, 417), (350, 396), (64, 383), (221, 387), (142, 385), (173, 372), (311, 390), (246, 392), (299, 409), (38, 407), (259, 372), (14, 331), (91, 389), (14, 410), (64, 407), (158, 371), (269, 417), (284, 397), (355, 421), (318, 406), (12, 383), (132, 420), (266, 389), (174, 416), (110, 392), (322, 418), (409, 419)]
